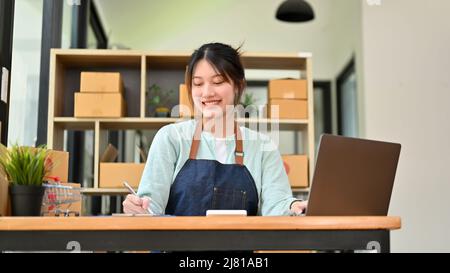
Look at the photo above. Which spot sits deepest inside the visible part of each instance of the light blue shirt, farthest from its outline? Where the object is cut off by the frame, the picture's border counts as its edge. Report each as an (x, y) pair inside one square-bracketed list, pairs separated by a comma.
[(170, 150)]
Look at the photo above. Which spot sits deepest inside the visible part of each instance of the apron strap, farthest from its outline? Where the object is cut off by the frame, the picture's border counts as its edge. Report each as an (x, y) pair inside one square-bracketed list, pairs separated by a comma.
[(238, 153), (196, 140)]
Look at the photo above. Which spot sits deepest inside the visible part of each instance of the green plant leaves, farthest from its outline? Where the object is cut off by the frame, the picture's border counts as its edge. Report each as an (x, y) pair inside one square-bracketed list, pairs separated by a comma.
[(24, 165), (248, 100), (159, 97)]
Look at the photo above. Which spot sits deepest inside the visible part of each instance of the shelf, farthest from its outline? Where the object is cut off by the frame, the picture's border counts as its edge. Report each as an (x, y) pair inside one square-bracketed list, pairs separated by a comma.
[(74, 123), (136, 123), (274, 61), (113, 123), (97, 58), (141, 69), (294, 61), (104, 191), (300, 189), (175, 59), (283, 124), (69, 123)]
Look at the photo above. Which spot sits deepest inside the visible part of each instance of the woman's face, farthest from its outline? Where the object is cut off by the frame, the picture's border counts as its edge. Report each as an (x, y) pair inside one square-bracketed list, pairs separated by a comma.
[(210, 92)]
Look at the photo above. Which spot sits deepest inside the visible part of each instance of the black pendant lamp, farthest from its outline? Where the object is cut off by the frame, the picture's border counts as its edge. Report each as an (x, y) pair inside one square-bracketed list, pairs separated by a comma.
[(295, 11)]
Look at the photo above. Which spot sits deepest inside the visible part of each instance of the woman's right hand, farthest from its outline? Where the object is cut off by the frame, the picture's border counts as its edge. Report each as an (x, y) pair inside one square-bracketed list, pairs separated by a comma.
[(136, 205)]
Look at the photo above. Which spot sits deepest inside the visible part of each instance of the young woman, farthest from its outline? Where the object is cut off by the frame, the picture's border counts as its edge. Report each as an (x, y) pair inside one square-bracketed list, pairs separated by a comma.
[(209, 162)]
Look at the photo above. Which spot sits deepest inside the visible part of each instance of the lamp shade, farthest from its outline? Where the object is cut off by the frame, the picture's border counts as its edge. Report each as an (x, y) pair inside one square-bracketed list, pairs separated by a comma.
[(295, 11)]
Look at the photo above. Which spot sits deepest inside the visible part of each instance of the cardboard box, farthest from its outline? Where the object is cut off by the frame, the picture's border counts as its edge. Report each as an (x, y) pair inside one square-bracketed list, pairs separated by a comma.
[(185, 103), (296, 167), (60, 164), (95, 105), (101, 82), (110, 154), (112, 175), (288, 89), (5, 205), (289, 109)]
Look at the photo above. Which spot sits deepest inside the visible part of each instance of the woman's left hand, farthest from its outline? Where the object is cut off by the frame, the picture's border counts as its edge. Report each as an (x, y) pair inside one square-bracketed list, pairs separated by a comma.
[(298, 207)]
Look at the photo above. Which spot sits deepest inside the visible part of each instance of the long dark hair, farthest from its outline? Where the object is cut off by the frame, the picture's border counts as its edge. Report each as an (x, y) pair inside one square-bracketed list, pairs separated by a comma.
[(226, 61)]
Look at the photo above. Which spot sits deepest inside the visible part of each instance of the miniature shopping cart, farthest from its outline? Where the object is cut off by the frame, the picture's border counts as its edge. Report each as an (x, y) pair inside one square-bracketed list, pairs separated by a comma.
[(60, 199)]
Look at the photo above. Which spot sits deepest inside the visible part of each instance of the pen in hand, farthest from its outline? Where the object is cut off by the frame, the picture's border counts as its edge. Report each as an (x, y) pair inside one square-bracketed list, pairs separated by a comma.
[(130, 189)]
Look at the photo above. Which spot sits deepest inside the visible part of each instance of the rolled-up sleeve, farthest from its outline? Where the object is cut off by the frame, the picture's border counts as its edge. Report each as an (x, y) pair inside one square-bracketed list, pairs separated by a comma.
[(276, 193), (159, 170)]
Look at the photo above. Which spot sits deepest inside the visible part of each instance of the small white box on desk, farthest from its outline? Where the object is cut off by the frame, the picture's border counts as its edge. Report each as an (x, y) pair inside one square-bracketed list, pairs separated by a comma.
[(225, 212)]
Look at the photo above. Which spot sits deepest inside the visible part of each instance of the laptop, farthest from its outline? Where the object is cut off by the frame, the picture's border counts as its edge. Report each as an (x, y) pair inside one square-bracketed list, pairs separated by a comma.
[(353, 177)]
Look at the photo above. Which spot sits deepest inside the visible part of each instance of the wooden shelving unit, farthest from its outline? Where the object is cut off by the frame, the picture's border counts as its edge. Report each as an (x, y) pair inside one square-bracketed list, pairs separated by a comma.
[(139, 70)]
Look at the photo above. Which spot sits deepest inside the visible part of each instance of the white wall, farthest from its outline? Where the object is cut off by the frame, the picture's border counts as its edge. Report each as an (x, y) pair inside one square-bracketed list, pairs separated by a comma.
[(185, 25), (346, 37), (406, 45)]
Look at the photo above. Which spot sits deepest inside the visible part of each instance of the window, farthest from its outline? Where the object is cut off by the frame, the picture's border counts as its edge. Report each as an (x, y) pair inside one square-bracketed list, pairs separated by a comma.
[(347, 101)]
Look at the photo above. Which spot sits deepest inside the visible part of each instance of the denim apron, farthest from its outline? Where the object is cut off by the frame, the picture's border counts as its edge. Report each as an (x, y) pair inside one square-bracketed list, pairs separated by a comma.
[(203, 184)]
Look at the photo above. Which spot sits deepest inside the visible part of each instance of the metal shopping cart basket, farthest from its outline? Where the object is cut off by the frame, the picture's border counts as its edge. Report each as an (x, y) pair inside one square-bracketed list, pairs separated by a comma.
[(59, 199)]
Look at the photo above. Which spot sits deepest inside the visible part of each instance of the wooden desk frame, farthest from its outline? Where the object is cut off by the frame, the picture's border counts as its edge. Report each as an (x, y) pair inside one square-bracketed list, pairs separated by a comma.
[(197, 233)]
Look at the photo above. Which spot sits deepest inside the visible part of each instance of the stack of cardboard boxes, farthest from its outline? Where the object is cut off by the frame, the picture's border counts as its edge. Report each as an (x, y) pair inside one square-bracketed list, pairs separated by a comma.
[(101, 96), (291, 96)]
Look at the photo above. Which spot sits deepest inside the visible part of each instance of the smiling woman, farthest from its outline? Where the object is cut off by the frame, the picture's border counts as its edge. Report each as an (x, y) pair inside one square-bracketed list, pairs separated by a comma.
[(215, 81), (217, 63), (210, 163)]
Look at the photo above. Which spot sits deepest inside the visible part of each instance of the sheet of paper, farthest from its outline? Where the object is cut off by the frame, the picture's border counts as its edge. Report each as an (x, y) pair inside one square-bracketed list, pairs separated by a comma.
[(131, 215)]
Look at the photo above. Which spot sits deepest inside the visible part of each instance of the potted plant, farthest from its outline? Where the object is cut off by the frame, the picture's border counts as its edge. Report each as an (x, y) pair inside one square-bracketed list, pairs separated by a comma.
[(159, 99), (249, 100), (25, 168)]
